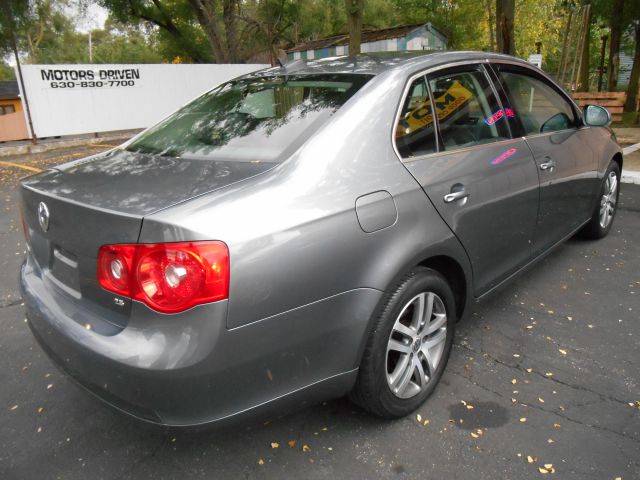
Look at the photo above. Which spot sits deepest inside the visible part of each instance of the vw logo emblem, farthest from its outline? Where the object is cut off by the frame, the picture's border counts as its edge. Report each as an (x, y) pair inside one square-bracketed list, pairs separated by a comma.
[(43, 216)]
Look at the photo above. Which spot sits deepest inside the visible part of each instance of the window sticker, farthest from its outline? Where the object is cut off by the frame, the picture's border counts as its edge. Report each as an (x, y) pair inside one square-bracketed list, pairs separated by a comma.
[(498, 115), (422, 116), (506, 154)]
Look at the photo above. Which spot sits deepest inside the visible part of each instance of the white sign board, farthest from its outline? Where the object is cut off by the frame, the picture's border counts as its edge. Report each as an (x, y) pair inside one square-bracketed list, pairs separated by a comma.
[(536, 59), (76, 99)]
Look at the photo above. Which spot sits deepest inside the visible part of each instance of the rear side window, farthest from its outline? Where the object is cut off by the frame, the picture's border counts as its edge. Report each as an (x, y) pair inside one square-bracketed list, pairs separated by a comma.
[(415, 134), (251, 119), (467, 110), (538, 106)]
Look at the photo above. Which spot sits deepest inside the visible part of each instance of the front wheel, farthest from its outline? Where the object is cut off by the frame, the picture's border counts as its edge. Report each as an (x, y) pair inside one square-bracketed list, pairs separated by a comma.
[(408, 347), (605, 211)]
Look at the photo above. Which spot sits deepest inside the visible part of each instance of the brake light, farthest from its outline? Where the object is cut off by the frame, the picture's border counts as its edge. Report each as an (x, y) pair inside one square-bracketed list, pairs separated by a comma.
[(168, 277)]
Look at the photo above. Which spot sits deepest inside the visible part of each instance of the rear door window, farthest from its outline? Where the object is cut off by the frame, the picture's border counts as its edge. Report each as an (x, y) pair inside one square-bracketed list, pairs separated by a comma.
[(467, 109), (537, 104), (415, 133)]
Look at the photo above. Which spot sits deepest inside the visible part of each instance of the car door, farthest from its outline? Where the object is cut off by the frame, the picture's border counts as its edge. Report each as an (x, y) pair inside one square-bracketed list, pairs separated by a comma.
[(566, 164), (482, 181)]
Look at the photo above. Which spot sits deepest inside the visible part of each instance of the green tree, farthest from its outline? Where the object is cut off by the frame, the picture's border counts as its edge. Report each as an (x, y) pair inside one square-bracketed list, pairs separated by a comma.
[(122, 44), (6, 72), (218, 19)]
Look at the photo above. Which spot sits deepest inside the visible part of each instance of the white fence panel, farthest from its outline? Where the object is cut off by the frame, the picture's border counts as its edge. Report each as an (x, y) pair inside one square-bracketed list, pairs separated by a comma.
[(76, 99)]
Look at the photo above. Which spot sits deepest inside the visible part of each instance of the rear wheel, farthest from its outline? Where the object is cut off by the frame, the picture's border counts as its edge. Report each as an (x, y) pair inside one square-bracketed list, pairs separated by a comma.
[(605, 210), (409, 346)]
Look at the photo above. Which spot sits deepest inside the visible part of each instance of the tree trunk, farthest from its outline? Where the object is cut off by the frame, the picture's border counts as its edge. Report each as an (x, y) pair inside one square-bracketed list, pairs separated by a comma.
[(206, 14), (632, 89), (229, 18), (583, 74), (354, 21), (614, 46), (505, 13), (492, 26)]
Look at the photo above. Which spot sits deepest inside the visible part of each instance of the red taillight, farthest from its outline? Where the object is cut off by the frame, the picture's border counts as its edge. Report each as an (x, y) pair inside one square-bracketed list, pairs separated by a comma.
[(168, 277)]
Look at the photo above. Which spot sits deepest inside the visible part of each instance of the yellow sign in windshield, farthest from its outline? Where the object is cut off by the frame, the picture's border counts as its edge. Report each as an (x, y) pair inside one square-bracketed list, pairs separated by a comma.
[(421, 116)]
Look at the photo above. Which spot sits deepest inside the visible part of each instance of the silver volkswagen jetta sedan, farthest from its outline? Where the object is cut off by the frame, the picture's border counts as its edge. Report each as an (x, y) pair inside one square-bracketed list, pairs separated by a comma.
[(308, 231)]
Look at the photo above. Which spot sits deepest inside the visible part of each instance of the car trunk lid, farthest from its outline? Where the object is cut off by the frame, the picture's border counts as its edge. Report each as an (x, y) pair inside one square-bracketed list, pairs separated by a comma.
[(103, 200)]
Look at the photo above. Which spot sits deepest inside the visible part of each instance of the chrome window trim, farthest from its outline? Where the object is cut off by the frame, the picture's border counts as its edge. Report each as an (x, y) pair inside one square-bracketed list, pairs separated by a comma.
[(462, 149)]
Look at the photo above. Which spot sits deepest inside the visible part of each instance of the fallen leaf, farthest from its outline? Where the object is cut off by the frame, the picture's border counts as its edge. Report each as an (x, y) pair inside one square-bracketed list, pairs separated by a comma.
[(50, 386), (469, 407), (550, 440), (556, 425), (569, 318), (548, 374), (516, 355), (40, 409), (529, 370), (16, 406), (514, 381), (427, 422), (261, 462), (306, 448), (563, 352), (474, 435), (419, 417), (540, 400), (330, 449), (523, 419), (513, 400), (39, 429), (275, 445), (291, 443), (531, 459)]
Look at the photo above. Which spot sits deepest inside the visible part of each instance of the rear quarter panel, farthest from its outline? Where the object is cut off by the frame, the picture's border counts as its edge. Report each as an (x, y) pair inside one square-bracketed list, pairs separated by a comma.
[(293, 234)]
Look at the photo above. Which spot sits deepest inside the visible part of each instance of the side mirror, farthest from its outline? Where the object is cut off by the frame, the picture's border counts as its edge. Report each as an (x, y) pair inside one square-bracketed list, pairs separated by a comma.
[(596, 116)]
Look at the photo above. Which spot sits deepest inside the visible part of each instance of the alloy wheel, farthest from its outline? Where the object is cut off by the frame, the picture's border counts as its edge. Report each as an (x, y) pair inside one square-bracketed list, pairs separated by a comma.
[(416, 345), (609, 199)]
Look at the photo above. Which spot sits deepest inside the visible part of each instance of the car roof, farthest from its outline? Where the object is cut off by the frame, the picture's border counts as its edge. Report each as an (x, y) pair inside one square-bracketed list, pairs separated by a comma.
[(376, 63)]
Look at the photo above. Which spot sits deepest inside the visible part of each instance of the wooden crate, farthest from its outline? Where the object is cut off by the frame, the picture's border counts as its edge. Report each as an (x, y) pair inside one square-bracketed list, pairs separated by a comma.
[(612, 101)]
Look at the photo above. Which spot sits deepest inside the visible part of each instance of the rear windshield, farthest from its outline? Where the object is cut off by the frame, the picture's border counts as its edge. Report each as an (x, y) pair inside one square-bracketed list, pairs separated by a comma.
[(256, 119)]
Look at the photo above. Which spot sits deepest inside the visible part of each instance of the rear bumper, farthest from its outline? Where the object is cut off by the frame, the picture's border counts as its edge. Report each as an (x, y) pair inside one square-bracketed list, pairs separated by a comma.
[(189, 369)]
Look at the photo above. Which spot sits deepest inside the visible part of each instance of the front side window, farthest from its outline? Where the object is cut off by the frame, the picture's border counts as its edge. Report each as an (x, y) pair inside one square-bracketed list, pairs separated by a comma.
[(255, 119), (468, 112), (539, 107)]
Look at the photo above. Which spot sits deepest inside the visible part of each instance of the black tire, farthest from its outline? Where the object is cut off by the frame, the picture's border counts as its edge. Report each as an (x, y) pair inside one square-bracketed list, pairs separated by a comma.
[(595, 229), (372, 390)]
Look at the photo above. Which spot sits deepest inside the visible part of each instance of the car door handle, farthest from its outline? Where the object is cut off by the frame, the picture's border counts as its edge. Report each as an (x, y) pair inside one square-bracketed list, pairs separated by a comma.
[(455, 196), (548, 165)]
